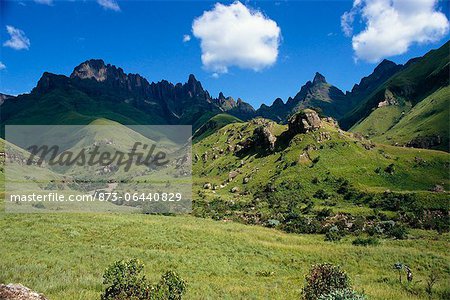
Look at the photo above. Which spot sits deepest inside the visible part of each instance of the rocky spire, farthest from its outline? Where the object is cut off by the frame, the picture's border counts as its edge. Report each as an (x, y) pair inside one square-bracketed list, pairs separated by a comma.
[(319, 78), (91, 69)]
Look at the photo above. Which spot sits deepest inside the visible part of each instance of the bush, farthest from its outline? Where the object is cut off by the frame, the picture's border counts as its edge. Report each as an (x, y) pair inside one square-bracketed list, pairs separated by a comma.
[(370, 241), (343, 294), (125, 282), (324, 213), (324, 279), (390, 169), (334, 234), (295, 223), (170, 287), (321, 194), (399, 232)]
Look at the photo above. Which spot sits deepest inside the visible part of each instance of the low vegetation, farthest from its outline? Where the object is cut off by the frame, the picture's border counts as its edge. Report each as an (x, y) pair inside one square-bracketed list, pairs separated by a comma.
[(124, 281), (64, 256)]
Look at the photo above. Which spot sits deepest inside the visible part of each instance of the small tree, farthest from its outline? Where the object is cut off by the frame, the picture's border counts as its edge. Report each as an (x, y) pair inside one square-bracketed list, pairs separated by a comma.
[(171, 286), (323, 279), (334, 234), (125, 282)]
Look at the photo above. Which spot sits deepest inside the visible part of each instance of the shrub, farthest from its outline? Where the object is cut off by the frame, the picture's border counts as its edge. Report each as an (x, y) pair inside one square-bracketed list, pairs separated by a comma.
[(334, 234), (170, 287), (370, 241), (343, 294), (316, 160), (321, 194), (38, 205), (295, 223), (390, 169), (399, 232), (308, 208), (125, 282), (324, 213), (324, 279)]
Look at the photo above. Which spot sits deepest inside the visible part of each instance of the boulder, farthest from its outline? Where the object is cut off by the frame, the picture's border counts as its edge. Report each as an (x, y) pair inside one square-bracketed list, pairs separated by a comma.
[(235, 189), (304, 121), (232, 175), (438, 189), (262, 137), (425, 141), (18, 292), (205, 157), (207, 186)]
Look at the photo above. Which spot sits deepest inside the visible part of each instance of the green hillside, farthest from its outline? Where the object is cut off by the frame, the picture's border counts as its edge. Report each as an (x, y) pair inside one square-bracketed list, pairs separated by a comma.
[(428, 118), (212, 125), (381, 120), (324, 169), (329, 147), (418, 79), (70, 106), (228, 260)]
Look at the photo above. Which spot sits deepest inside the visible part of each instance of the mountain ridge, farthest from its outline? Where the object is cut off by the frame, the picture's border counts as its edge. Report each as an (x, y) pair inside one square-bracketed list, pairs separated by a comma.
[(95, 89)]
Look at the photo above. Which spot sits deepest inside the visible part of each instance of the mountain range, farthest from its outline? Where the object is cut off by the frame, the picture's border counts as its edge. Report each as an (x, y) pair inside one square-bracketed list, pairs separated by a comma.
[(391, 95)]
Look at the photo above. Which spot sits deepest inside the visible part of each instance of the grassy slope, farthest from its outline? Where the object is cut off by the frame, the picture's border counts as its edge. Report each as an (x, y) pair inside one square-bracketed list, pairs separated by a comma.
[(214, 124), (430, 116), (380, 120), (422, 77), (71, 107), (64, 256), (342, 156)]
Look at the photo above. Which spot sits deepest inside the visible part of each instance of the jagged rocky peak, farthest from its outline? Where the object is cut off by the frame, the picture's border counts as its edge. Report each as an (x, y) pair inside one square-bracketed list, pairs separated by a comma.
[(383, 71), (384, 66), (194, 86), (91, 69), (319, 78), (49, 81), (278, 102)]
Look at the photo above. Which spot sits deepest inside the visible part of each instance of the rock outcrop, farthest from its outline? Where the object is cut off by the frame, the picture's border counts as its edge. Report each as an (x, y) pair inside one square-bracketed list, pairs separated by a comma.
[(263, 138), (425, 142), (18, 292), (303, 122), (4, 97)]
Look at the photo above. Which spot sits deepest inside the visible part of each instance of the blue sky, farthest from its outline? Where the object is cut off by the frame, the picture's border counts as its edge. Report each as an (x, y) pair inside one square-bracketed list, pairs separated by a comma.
[(146, 37)]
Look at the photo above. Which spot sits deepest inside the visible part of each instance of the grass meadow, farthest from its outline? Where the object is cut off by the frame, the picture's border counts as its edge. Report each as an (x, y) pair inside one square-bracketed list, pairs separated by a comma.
[(64, 256)]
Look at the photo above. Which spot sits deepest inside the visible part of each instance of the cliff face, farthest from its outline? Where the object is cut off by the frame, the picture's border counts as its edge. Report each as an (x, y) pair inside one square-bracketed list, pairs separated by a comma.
[(180, 103)]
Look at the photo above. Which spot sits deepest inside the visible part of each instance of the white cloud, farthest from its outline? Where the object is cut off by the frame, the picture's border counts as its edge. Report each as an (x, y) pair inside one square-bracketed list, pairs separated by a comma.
[(45, 2), (2, 66), (109, 4), (234, 35), (18, 40), (392, 26), (186, 38)]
